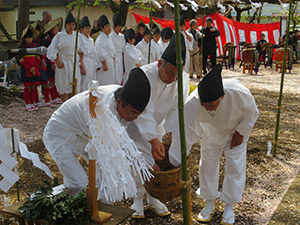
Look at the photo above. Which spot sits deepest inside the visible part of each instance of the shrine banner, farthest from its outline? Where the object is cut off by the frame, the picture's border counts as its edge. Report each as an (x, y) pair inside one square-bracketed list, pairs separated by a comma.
[(231, 31)]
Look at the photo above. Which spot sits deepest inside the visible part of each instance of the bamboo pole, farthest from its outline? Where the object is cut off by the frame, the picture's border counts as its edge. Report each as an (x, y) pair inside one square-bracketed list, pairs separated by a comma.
[(150, 25), (185, 188), (15, 157), (74, 84), (281, 83), (201, 49)]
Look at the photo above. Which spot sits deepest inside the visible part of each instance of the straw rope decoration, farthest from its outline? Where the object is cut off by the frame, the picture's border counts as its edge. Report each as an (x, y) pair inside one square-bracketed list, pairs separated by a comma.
[(118, 160)]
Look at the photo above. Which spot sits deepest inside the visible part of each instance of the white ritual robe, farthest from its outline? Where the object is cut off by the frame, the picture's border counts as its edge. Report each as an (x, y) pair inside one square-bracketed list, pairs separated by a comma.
[(188, 47), (63, 45), (156, 48), (163, 46), (132, 57), (67, 134), (163, 102), (88, 50), (237, 112), (144, 49), (105, 51), (119, 44)]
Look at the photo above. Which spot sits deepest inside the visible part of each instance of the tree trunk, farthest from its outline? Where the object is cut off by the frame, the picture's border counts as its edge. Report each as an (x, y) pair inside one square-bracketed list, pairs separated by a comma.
[(23, 15)]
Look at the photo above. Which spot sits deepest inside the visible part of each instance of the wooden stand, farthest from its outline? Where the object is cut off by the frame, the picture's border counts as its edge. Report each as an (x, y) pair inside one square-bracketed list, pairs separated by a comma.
[(92, 191), (92, 194)]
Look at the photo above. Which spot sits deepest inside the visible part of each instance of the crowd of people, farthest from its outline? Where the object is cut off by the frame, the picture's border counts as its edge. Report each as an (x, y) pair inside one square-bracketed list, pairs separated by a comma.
[(105, 52), (141, 90)]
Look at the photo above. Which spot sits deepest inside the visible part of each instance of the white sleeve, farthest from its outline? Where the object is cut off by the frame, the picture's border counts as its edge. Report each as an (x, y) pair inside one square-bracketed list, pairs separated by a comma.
[(190, 43), (101, 53), (250, 114), (193, 130), (147, 124), (53, 48), (186, 89)]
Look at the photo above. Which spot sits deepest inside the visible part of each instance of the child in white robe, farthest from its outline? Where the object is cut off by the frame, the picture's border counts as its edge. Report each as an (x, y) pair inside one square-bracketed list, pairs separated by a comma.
[(119, 44), (105, 54), (88, 51), (143, 46), (61, 51), (132, 56)]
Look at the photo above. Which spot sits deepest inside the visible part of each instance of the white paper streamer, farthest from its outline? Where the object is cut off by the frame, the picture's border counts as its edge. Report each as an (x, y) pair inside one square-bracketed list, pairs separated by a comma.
[(255, 5), (35, 159), (118, 160), (194, 5), (156, 3), (171, 4), (183, 7)]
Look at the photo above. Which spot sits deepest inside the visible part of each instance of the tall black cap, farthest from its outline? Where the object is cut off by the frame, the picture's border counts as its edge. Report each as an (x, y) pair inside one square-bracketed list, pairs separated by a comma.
[(156, 31), (129, 34), (146, 30), (84, 22), (136, 91), (70, 18), (117, 20), (102, 21), (167, 33), (210, 88), (182, 20), (170, 52)]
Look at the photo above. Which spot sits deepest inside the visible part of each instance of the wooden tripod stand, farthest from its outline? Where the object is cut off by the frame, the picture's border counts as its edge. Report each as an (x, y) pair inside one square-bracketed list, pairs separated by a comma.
[(92, 190)]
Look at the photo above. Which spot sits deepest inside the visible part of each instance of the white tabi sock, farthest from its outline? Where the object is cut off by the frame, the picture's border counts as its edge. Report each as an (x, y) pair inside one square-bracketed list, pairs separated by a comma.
[(228, 214)]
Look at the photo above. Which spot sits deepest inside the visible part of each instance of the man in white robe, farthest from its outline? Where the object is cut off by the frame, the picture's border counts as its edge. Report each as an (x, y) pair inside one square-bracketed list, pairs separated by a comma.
[(188, 43), (148, 129), (119, 44), (88, 51), (223, 115), (67, 132), (105, 54)]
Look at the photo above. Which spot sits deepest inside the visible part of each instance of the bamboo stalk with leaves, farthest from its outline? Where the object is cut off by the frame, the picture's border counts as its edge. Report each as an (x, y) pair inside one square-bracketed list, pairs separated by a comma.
[(279, 106), (186, 187), (74, 84)]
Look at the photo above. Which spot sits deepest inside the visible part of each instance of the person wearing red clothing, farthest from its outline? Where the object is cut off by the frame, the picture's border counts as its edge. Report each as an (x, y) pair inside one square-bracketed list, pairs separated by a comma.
[(39, 28), (30, 65), (51, 29)]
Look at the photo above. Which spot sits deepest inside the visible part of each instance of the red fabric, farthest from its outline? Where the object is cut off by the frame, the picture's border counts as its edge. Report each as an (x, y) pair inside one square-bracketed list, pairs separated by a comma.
[(32, 95), (29, 62), (26, 93), (26, 84), (53, 92), (51, 79), (43, 82), (36, 94), (46, 94), (230, 30)]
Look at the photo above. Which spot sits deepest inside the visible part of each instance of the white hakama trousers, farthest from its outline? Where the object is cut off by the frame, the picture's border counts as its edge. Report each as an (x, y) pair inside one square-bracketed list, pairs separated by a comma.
[(235, 173), (75, 178)]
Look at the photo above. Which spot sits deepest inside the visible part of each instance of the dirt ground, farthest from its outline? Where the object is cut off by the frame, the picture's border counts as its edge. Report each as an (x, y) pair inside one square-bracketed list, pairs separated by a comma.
[(268, 177)]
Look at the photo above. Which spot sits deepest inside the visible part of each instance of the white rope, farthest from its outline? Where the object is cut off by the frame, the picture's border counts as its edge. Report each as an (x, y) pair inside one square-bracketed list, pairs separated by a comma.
[(118, 160)]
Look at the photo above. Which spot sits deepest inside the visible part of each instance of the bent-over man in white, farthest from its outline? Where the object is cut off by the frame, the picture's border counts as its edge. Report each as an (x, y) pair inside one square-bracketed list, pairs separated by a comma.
[(223, 115)]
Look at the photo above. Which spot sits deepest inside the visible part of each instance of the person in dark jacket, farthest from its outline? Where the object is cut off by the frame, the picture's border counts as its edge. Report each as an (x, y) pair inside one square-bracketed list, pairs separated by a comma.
[(259, 44), (209, 43)]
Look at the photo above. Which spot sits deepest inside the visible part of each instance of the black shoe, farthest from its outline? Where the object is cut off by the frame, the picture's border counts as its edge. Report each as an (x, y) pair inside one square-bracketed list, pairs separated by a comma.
[(191, 77), (198, 77), (204, 73)]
